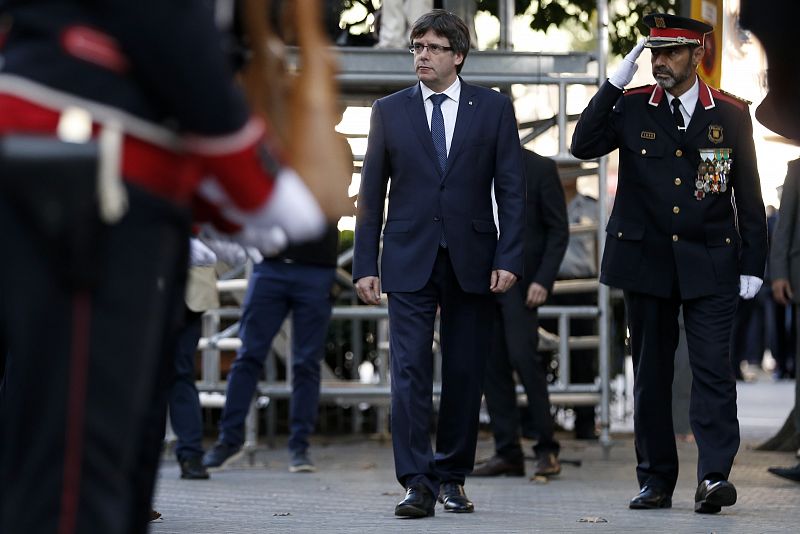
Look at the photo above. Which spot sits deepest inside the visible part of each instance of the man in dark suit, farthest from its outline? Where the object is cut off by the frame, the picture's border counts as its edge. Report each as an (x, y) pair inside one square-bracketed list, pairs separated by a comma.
[(443, 143), (516, 337), (785, 270), (688, 231)]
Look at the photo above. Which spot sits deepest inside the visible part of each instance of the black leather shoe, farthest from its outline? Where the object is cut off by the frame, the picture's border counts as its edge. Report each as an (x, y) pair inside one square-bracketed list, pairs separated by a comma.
[(419, 502), (222, 454), (498, 466), (547, 465), (792, 473), (711, 496), (192, 468), (650, 498), (454, 499)]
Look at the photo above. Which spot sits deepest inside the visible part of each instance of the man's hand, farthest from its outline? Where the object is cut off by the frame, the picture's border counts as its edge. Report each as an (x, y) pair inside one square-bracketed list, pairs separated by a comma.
[(749, 286), (782, 291), (536, 295), (624, 73), (368, 289), (501, 281)]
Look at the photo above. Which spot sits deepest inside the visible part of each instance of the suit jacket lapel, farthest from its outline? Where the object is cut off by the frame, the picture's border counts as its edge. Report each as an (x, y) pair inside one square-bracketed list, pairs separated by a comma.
[(467, 103), (419, 123)]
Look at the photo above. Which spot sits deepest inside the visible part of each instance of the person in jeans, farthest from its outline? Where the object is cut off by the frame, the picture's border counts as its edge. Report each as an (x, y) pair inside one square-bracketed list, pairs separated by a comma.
[(298, 281)]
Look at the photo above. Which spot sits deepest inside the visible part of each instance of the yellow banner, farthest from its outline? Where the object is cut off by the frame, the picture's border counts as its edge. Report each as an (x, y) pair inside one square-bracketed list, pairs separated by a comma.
[(710, 11)]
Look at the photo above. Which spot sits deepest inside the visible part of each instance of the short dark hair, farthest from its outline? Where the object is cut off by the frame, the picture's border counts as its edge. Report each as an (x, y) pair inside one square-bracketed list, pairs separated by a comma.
[(444, 24)]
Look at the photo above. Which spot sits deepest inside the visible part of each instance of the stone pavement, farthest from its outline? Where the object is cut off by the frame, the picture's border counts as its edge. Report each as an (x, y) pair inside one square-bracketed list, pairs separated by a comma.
[(355, 491)]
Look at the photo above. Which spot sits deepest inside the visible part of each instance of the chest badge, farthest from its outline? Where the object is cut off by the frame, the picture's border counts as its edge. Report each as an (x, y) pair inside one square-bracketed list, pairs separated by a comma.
[(648, 135), (715, 133)]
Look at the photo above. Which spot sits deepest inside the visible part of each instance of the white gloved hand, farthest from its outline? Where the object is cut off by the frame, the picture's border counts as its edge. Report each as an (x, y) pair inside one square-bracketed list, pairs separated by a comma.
[(624, 73), (267, 242), (227, 251), (254, 254), (294, 209), (199, 254), (749, 286)]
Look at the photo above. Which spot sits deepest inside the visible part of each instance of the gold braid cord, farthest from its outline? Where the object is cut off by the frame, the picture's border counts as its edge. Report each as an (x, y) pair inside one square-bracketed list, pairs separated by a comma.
[(301, 107)]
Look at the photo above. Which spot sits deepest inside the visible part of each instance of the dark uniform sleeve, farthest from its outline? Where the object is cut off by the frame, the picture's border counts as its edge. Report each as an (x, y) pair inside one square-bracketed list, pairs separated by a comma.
[(176, 52), (750, 213), (553, 208), (596, 133)]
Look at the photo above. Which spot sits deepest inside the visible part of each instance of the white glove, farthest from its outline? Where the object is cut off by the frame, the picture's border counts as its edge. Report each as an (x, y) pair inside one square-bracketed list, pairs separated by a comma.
[(749, 286), (267, 242), (227, 251), (199, 254), (624, 73)]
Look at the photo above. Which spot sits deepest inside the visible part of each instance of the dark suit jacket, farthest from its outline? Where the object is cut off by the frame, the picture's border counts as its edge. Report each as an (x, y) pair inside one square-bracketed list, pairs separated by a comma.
[(785, 253), (657, 225), (546, 228), (424, 203)]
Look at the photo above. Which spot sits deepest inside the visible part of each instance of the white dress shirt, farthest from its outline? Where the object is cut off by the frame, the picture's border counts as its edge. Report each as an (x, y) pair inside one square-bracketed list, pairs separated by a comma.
[(449, 108), (688, 101)]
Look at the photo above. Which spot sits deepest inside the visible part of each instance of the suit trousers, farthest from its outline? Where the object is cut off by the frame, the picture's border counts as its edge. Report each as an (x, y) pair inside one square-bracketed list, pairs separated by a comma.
[(276, 289), (185, 413), (654, 331), (514, 348), (465, 334), (82, 368)]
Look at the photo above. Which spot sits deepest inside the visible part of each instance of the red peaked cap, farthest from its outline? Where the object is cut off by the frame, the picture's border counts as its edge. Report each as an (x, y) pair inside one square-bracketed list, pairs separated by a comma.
[(672, 30)]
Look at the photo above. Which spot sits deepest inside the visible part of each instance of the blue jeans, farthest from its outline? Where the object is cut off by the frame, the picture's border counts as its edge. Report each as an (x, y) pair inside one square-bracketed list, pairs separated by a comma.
[(184, 405), (277, 288)]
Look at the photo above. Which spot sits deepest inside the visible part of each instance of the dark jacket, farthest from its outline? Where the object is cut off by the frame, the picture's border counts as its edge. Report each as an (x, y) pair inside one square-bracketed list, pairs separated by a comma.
[(425, 204), (659, 231), (546, 228)]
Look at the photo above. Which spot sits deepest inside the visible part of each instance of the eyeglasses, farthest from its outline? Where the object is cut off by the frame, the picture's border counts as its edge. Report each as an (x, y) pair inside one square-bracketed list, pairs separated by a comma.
[(433, 48)]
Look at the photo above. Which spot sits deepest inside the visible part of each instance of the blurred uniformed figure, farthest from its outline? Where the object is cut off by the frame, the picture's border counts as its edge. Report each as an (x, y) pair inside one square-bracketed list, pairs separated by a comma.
[(687, 231), (95, 234)]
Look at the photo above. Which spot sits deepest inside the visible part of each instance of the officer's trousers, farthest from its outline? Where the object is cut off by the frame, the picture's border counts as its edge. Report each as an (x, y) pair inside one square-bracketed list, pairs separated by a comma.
[(654, 331), (81, 368)]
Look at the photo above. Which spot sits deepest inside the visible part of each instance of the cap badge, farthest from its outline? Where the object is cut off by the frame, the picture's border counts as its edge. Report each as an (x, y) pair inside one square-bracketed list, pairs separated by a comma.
[(660, 22)]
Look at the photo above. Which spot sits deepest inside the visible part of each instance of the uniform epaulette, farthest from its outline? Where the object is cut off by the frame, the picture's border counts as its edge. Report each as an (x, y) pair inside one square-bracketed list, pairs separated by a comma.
[(733, 99), (637, 90)]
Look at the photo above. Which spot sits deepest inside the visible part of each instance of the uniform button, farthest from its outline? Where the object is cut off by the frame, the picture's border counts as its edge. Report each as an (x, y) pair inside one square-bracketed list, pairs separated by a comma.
[(679, 152), (676, 210), (436, 219), (644, 151), (677, 181), (728, 240), (674, 237), (619, 234)]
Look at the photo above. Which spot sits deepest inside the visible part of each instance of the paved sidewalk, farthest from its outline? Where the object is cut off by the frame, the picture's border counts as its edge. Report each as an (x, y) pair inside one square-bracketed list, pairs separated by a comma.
[(355, 491)]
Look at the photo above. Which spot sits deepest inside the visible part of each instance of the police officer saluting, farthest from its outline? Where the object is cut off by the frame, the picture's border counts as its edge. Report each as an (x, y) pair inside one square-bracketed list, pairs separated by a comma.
[(687, 231)]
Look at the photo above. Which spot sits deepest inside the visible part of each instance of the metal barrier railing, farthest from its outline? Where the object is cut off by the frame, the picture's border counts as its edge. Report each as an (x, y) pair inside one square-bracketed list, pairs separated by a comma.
[(377, 394)]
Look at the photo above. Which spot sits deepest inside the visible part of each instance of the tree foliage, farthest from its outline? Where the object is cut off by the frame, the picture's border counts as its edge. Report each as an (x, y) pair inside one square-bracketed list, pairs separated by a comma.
[(625, 24)]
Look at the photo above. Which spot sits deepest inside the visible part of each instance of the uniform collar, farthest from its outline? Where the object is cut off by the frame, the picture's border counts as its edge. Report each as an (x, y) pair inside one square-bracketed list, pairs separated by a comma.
[(700, 91)]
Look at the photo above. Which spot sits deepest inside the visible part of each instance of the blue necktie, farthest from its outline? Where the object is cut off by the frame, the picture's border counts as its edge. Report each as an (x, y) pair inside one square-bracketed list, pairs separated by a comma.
[(437, 130)]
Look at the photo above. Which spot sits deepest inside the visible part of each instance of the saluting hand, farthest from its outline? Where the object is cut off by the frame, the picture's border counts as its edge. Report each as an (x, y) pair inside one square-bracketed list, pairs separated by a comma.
[(368, 289), (624, 73), (501, 281)]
